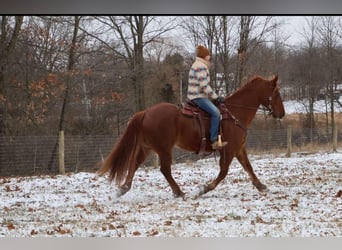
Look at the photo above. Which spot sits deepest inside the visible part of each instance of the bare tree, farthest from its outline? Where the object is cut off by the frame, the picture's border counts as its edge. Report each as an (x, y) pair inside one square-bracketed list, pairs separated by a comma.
[(203, 30), (217, 32), (224, 45), (69, 73), (308, 69), (329, 35), (311, 81), (131, 35), (253, 30)]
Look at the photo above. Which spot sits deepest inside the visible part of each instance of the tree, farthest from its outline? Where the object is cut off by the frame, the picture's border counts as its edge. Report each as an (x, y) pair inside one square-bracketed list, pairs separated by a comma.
[(329, 35), (68, 80), (70, 70), (208, 31), (224, 44), (312, 80), (252, 31), (8, 40), (217, 33), (132, 34)]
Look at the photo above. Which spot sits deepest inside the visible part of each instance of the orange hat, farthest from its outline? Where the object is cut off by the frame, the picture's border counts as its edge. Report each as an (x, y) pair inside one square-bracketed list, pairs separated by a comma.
[(202, 51)]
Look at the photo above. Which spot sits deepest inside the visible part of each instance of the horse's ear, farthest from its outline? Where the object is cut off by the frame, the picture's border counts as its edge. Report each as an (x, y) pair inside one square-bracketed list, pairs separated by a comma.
[(275, 78), (274, 81)]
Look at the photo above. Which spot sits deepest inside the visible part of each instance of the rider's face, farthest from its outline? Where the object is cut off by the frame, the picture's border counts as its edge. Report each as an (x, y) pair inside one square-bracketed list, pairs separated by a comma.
[(207, 58)]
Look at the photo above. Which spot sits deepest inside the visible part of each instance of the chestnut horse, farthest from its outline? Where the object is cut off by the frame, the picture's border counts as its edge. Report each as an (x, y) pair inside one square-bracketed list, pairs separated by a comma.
[(163, 126)]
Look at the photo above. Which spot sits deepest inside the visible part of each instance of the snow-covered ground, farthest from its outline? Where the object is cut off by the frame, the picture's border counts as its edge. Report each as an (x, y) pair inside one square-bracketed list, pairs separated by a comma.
[(304, 200), (292, 107)]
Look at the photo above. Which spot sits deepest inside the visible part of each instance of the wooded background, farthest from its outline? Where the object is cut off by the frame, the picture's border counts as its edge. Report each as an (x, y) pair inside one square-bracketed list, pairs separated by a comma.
[(86, 75)]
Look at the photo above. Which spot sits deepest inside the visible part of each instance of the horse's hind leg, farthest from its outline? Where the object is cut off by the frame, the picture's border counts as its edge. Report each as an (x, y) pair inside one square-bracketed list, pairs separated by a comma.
[(140, 158), (243, 159), (165, 168)]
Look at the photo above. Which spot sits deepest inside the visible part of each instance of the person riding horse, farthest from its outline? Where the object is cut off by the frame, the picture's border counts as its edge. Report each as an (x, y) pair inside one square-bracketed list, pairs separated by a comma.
[(199, 92)]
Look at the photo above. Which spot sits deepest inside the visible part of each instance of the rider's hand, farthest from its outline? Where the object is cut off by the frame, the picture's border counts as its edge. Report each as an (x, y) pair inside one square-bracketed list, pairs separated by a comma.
[(220, 99)]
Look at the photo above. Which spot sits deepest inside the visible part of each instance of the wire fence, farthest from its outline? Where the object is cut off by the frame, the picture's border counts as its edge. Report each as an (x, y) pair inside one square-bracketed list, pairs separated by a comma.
[(34, 155)]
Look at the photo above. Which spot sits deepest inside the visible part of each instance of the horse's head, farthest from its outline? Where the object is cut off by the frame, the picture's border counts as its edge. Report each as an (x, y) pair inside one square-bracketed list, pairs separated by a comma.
[(272, 100)]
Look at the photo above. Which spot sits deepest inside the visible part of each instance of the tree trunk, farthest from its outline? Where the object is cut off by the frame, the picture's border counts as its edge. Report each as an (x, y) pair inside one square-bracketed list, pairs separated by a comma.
[(243, 45), (225, 54), (71, 63), (6, 50), (70, 69), (140, 64)]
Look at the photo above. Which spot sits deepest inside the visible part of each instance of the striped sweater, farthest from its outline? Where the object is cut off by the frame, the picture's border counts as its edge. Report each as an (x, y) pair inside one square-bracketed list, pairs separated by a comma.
[(199, 79)]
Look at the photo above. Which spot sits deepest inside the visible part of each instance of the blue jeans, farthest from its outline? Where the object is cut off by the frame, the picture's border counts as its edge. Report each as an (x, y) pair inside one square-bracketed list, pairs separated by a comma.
[(210, 108)]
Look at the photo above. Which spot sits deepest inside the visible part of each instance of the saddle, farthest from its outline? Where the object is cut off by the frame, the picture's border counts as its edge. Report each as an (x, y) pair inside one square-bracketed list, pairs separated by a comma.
[(190, 109)]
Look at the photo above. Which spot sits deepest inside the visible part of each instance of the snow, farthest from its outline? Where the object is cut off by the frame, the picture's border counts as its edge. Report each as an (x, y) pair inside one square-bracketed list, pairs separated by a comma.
[(304, 200), (302, 106)]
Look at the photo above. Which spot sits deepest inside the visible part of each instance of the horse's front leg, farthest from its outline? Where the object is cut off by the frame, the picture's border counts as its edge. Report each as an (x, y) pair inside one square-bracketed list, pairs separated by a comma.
[(244, 161), (225, 160)]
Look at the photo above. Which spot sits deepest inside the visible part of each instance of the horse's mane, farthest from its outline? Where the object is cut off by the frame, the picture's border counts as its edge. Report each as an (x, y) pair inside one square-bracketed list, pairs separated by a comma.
[(250, 84)]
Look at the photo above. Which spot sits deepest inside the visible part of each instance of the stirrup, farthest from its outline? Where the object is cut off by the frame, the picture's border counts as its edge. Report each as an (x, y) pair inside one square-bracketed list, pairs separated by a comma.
[(216, 145)]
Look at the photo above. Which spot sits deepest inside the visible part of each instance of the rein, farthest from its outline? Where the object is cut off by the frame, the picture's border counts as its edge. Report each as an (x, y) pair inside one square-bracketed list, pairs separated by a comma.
[(264, 108), (226, 113)]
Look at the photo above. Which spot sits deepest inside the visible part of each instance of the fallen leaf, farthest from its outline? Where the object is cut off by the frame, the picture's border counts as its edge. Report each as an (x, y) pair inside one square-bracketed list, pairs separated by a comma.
[(294, 203), (136, 233), (33, 232), (168, 223), (79, 206), (50, 232), (260, 220), (10, 226), (222, 219), (153, 232)]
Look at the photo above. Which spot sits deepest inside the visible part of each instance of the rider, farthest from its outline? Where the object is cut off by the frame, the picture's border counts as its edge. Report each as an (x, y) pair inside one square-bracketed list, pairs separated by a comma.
[(199, 91)]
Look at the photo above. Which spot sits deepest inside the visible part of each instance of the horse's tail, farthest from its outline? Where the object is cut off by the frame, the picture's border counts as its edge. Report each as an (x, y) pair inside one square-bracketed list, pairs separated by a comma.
[(123, 155)]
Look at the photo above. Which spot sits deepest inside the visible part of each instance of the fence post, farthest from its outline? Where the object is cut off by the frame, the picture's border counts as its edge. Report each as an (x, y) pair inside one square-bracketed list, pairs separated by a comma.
[(61, 152), (289, 141), (335, 138)]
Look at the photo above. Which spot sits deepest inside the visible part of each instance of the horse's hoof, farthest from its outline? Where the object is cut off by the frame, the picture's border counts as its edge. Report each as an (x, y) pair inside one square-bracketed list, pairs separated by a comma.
[(117, 193), (120, 191), (179, 195), (201, 190), (185, 197), (195, 197), (263, 188)]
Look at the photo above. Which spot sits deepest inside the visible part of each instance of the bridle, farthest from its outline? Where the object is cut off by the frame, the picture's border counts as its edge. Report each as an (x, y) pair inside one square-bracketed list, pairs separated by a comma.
[(275, 93)]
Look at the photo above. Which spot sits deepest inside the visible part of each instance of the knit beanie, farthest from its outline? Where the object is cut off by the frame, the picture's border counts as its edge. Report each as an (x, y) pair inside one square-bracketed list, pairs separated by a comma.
[(202, 51)]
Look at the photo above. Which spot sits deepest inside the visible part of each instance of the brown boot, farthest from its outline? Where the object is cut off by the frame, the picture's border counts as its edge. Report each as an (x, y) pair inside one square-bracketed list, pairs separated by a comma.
[(215, 145)]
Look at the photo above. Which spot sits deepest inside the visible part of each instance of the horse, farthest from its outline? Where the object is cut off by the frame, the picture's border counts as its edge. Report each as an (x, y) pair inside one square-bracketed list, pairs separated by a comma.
[(161, 127)]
